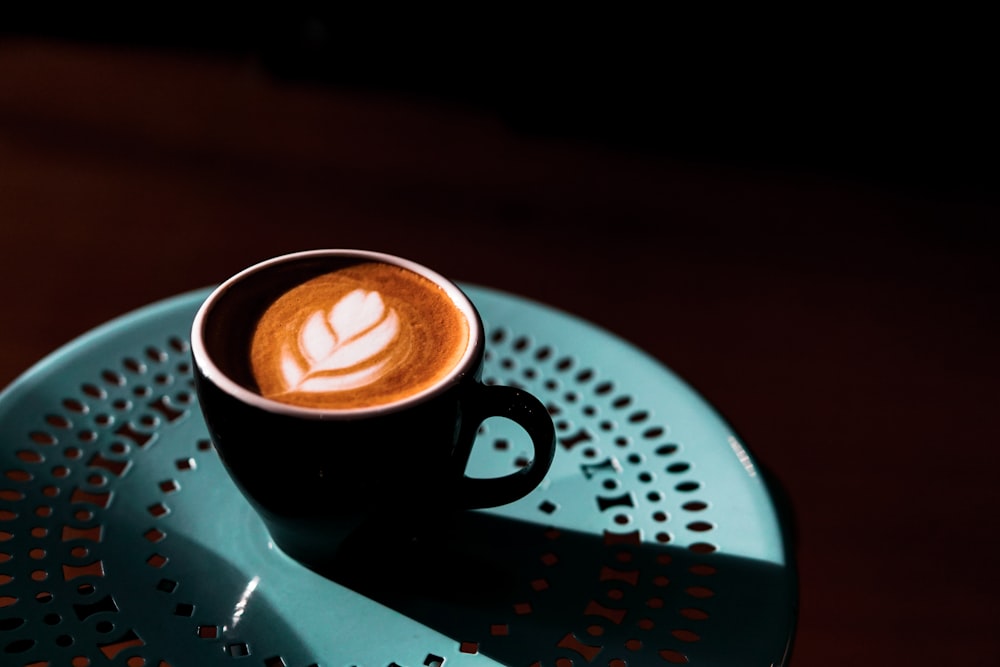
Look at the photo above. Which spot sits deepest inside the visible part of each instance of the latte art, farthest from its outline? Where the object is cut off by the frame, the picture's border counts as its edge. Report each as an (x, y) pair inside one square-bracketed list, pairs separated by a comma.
[(351, 335), (365, 335)]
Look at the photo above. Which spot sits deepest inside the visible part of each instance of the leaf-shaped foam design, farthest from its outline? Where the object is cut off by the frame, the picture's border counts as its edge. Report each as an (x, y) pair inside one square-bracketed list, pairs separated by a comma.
[(355, 313), (357, 328), (341, 381), (316, 339), (368, 344), (290, 369)]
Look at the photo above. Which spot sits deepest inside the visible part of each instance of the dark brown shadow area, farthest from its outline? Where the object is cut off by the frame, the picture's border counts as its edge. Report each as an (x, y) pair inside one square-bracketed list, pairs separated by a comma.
[(527, 594)]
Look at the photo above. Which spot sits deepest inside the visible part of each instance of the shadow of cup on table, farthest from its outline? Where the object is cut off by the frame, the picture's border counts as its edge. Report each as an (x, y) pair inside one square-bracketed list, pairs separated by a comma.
[(524, 593)]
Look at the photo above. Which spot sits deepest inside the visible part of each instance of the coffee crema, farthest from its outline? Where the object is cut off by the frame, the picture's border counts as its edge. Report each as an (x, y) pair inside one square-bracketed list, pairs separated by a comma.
[(365, 335)]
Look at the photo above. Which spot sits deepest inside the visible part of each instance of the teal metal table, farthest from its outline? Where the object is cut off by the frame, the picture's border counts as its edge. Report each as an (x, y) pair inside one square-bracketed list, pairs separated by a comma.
[(654, 540)]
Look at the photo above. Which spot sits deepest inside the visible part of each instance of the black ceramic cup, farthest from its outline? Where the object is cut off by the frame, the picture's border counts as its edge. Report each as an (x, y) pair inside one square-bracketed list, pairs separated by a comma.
[(317, 475)]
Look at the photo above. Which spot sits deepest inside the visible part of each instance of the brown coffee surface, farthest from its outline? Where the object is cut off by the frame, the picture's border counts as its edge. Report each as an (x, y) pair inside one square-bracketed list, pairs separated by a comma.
[(365, 335)]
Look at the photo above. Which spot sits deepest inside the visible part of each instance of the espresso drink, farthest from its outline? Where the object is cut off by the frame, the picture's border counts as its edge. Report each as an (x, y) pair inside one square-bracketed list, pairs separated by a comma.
[(365, 335)]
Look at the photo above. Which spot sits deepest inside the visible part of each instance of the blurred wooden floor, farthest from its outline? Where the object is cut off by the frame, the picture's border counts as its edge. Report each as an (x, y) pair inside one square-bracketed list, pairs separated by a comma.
[(848, 330)]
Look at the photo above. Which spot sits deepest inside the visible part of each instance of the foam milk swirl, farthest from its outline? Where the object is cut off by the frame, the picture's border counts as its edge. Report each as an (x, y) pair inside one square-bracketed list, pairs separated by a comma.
[(365, 335)]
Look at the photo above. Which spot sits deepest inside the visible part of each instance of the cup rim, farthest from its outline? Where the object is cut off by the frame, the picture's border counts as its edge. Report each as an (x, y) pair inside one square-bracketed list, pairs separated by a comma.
[(208, 368)]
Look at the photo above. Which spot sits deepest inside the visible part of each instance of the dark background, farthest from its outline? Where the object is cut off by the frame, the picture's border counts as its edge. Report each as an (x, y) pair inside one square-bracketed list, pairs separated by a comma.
[(799, 218)]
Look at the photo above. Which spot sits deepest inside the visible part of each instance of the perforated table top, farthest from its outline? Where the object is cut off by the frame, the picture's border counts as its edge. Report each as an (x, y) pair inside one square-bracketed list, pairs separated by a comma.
[(653, 540)]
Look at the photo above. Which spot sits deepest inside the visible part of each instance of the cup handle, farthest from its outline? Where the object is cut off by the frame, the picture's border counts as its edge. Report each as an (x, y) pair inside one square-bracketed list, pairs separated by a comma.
[(525, 410)]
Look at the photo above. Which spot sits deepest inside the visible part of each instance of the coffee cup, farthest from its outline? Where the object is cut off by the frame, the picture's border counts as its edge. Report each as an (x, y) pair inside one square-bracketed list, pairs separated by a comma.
[(342, 388)]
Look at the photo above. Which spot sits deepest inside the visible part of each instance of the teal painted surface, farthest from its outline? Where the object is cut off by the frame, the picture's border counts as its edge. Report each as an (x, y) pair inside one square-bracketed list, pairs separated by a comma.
[(653, 539)]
